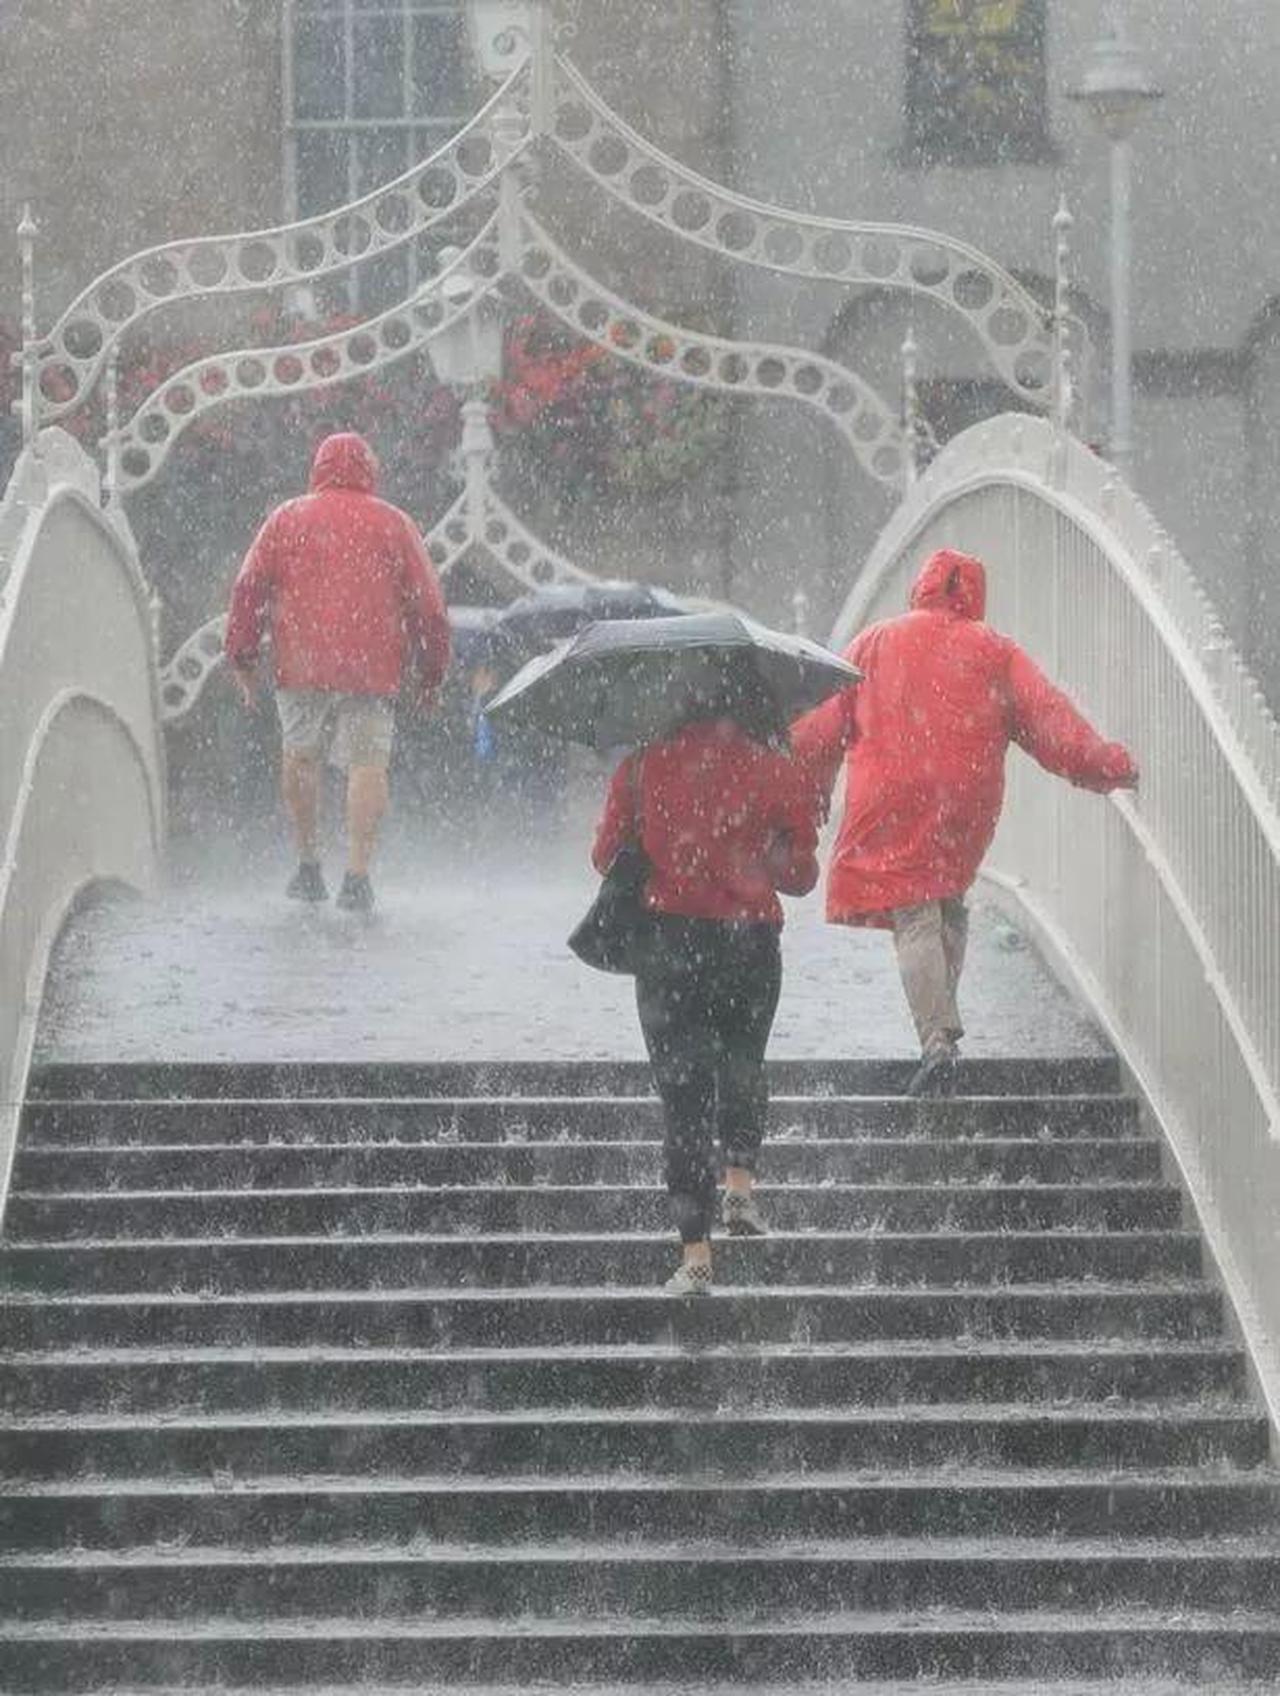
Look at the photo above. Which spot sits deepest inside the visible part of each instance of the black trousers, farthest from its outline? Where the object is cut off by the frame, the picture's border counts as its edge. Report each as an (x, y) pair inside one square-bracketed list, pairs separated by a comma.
[(706, 992)]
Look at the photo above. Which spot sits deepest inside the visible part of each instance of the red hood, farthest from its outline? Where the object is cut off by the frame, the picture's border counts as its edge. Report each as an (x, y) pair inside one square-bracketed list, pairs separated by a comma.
[(950, 581), (344, 462)]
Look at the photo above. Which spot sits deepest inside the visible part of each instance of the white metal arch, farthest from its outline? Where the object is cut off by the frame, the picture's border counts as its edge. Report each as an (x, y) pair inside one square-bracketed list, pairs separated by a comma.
[(869, 428), (431, 192), (1011, 324)]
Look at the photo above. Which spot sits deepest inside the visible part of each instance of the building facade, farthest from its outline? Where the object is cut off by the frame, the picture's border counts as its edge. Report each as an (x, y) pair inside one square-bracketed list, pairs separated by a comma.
[(127, 122)]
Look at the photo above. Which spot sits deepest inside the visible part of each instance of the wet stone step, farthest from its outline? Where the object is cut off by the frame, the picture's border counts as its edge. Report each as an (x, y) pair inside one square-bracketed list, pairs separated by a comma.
[(664, 1581), (31, 1216), (942, 1644), (612, 1317), (289, 1081), (386, 1513), (302, 1263), (146, 1380), (640, 1441), (992, 1160), (899, 1687), (595, 1119)]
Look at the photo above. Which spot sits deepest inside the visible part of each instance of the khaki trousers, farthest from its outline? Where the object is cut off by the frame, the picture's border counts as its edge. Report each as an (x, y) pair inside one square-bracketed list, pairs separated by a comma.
[(930, 940)]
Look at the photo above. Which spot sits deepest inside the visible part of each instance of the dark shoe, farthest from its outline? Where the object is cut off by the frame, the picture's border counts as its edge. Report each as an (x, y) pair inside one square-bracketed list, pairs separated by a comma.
[(936, 1075), (307, 883), (741, 1216), (356, 894)]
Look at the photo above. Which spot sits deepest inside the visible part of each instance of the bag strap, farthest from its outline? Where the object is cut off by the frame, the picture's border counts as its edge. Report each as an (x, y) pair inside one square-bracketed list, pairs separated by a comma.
[(637, 797)]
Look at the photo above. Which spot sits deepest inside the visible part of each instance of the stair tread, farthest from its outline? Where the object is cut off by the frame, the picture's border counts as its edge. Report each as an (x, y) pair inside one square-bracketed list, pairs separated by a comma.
[(1103, 1186), (921, 1413), (516, 1239), (923, 1550), (594, 1294), (580, 1483), (862, 1623), (1034, 1348)]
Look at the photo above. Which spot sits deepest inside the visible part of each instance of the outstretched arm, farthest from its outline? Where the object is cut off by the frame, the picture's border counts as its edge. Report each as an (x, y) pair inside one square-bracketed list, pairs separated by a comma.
[(818, 744), (1046, 724)]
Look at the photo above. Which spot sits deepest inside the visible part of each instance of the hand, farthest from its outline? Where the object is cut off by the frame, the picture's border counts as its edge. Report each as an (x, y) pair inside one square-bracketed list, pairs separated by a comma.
[(247, 686)]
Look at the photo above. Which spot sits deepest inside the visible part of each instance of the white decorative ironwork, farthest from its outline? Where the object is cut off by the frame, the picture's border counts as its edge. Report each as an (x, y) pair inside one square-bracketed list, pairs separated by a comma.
[(70, 358), (1009, 322), (145, 441), (1164, 906), (1007, 318), (711, 362), (570, 293)]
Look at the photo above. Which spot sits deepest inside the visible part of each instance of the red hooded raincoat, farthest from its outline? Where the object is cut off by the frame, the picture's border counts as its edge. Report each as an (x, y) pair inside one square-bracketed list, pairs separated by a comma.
[(925, 737), (346, 584)]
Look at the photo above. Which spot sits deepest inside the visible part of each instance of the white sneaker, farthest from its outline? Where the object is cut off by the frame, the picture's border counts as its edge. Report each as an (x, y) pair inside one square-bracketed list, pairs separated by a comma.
[(741, 1216), (689, 1280)]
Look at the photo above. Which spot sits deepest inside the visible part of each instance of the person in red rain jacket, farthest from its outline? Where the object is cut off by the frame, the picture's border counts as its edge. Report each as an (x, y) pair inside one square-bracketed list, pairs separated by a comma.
[(725, 823), (924, 738), (344, 585)]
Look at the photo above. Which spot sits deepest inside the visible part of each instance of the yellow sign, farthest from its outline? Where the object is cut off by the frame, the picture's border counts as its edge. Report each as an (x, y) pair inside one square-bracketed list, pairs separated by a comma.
[(972, 17)]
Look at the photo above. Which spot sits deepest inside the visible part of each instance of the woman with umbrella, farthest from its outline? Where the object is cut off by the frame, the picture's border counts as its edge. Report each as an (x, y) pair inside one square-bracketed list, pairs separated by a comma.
[(725, 822)]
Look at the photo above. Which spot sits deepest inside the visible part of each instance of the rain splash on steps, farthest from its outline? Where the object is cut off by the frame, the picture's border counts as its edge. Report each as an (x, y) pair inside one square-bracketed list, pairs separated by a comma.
[(338, 1378)]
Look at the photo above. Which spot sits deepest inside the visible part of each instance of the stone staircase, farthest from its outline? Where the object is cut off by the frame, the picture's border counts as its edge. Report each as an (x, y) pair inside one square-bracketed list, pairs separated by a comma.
[(338, 1378)]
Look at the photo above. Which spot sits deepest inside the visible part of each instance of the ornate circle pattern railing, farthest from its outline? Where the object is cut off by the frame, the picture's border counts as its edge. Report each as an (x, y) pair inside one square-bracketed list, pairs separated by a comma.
[(1013, 327), (69, 360), (870, 429), (141, 446), (711, 362)]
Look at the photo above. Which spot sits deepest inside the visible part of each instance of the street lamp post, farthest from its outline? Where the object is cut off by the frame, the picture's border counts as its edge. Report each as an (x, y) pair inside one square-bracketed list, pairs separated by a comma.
[(1116, 90), (468, 356)]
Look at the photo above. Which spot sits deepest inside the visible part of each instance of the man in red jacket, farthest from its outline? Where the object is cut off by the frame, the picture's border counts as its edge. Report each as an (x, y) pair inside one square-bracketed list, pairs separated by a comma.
[(924, 737), (344, 584)]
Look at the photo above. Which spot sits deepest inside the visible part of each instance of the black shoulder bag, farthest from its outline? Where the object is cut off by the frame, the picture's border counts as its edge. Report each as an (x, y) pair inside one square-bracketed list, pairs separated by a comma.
[(609, 933)]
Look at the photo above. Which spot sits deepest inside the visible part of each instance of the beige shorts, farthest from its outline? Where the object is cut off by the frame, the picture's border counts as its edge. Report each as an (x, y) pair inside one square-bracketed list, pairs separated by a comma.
[(350, 730)]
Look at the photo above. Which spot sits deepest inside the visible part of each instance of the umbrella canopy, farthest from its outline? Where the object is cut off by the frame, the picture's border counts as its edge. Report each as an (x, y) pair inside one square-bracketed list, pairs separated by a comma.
[(536, 620), (637, 680)]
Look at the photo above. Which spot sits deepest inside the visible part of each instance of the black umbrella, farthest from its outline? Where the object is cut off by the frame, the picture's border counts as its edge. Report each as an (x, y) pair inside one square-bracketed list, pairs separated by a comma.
[(544, 616), (636, 680)]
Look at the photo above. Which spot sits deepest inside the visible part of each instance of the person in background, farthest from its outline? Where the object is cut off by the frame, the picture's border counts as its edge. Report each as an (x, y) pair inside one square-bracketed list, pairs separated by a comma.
[(923, 738), (725, 821), (342, 582)]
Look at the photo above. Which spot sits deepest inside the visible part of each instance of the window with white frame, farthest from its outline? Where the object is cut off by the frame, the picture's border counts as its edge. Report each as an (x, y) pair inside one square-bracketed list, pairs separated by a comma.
[(371, 87)]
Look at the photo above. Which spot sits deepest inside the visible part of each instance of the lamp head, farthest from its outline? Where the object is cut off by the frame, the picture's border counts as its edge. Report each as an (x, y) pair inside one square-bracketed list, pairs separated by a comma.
[(501, 34), (1116, 88)]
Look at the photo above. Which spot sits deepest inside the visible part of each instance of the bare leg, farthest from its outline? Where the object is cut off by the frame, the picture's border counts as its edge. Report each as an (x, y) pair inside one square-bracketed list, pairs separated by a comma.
[(300, 786), (366, 803), (739, 1179)]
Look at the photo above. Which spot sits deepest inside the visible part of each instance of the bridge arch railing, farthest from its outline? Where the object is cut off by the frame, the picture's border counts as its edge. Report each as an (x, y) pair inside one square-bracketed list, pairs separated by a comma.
[(81, 757), (1164, 907)]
